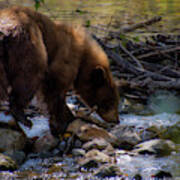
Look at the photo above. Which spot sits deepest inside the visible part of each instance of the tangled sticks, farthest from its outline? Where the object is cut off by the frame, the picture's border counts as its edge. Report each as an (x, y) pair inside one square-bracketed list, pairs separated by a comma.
[(144, 66)]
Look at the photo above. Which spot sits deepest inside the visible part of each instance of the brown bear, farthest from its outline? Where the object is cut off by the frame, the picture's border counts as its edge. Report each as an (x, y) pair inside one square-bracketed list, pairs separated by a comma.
[(39, 54)]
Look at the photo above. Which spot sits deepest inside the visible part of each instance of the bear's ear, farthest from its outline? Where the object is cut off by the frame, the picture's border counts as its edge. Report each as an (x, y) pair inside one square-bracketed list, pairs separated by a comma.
[(98, 76)]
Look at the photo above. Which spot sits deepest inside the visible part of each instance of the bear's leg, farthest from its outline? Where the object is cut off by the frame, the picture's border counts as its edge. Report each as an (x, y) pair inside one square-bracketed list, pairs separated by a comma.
[(26, 66), (3, 83), (22, 93), (60, 114)]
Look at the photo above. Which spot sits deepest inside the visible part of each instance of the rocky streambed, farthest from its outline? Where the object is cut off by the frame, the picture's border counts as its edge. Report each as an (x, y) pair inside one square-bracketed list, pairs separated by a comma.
[(140, 147)]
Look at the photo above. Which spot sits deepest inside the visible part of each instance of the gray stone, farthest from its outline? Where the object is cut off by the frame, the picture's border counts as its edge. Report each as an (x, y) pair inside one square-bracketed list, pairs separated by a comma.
[(45, 143), (78, 152), (126, 135), (89, 163), (88, 132), (17, 156), (6, 163), (78, 143), (93, 158), (11, 140), (158, 147), (100, 144), (108, 171), (62, 146)]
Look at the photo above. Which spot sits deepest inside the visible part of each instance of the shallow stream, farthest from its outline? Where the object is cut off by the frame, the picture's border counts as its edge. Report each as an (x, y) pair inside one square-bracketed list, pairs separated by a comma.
[(102, 14)]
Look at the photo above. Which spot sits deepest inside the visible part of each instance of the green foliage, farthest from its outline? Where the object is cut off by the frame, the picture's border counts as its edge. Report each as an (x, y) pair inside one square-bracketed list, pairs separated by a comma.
[(38, 3), (88, 23), (136, 39), (125, 38), (81, 12)]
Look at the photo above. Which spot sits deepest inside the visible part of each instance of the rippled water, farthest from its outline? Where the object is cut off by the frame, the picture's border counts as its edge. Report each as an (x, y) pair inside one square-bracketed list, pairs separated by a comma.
[(146, 165), (158, 120)]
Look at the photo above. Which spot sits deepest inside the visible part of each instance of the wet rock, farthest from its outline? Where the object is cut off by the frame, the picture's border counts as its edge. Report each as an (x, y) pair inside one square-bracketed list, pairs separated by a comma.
[(126, 135), (137, 177), (78, 152), (162, 175), (89, 163), (54, 169), (119, 153), (75, 126), (158, 147), (6, 163), (173, 133), (45, 154), (147, 134), (99, 156), (45, 143), (87, 132), (11, 140), (92, 158), (108, 171), (154, 132), (55, 152), (62, 146), (78, 143), (17, 156), (100, 144), (110, 151)]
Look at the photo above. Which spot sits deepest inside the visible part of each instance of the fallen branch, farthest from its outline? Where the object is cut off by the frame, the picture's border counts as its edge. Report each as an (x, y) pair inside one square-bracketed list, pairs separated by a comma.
[(159, 52), (168, 71), (131, 56), (121, 62), (141, 24), (133, 69), (174, 84)]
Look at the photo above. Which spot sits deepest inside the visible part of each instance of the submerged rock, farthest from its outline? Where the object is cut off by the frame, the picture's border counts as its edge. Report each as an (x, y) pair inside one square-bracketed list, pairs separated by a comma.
[(100, 144), (6, 163), (99, 156), (62, 146), (137, 177), (89, 163), (108, 171), (78, 152), (158, 147), (17, 156), (127, 136), (92, 158), (11, 140), (162, 175), (173, 133), (78, 143), (88, 132), (45, 143)]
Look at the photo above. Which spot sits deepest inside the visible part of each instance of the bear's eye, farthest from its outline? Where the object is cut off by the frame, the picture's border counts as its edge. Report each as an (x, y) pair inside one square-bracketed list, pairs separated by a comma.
[(106, 104), (98, 77)]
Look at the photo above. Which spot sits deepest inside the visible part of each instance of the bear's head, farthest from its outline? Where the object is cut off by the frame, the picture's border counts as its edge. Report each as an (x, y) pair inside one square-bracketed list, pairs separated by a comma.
[(100, 90), (104, 94), (95, 83)]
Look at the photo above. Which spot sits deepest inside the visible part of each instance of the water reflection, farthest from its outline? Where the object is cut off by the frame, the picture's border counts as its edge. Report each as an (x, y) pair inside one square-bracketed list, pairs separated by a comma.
[(104, 11)]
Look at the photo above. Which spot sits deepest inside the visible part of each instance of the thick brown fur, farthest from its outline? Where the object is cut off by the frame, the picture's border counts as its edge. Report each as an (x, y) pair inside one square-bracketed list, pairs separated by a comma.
[(36, 53)]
